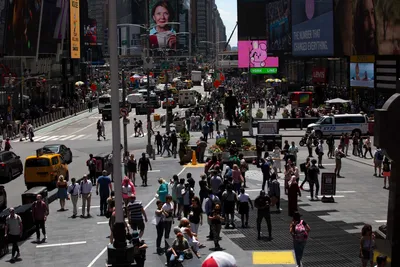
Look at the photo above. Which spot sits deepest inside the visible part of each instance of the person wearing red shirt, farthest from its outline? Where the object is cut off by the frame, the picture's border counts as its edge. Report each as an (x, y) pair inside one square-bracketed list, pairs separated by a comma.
[(40, 210)]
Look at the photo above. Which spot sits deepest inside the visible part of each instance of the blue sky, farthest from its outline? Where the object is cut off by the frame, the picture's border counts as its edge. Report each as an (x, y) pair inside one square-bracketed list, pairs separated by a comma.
[(228, 11)]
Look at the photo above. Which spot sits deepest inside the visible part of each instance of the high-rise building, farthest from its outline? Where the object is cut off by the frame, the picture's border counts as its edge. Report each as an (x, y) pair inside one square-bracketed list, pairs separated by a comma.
[(209, 28)]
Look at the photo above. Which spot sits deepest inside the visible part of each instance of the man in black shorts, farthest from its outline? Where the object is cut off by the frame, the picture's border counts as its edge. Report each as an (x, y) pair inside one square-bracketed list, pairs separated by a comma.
[(136, 213), (143, 165)]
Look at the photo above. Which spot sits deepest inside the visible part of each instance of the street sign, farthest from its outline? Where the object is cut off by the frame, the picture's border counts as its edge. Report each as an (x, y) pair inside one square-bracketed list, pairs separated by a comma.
[(123, 112), (328, 184), (126, 121), (263, 70)]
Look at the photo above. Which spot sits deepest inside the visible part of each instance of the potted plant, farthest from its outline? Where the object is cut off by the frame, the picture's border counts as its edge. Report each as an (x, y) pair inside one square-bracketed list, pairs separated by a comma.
[(245, 121), (259, 114)]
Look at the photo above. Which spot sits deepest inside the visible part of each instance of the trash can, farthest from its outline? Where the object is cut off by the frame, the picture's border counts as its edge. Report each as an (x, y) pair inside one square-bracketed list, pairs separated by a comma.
[(156, 117), (29, 196), (271, 140)]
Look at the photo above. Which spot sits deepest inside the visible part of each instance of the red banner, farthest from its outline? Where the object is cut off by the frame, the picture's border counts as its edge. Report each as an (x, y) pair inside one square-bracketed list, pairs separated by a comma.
[(319, 75)]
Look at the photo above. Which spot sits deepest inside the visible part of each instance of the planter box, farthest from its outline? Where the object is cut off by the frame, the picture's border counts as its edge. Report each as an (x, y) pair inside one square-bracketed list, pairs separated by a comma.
[(245, 126)]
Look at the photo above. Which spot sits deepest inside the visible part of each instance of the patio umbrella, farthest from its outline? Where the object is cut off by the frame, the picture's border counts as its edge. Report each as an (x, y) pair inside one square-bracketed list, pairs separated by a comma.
[(270, 80), (79, 83), (244, 73), (337, 101), (277, 81), (136, 76)]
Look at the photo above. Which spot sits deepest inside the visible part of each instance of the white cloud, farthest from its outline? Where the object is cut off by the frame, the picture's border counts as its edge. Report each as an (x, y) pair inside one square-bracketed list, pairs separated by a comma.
[(228, 11)]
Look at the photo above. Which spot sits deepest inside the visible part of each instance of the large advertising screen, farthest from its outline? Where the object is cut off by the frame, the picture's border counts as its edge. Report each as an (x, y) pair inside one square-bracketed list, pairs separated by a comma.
[(362, 75), (367, 27), (164, 23), (312, 28), (22, 27), (75, 29), (3, 18), (251, 19), (90, 32), (278, 26), (254, 54)]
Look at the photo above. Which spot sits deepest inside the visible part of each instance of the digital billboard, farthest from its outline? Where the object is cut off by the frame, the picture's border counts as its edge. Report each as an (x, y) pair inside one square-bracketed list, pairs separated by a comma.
[(22, 27), (75, 29), (367, 27), (254, 54), (362, 75), (251, 19), (90, 32), (312, 28), (278, 26), (3, 18), (163, 14)]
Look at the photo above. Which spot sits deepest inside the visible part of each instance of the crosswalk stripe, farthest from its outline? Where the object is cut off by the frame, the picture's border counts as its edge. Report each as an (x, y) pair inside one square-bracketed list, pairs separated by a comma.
[(46, 139), (77, 137), (62, 136), (53, 138), (38, 138), (68, 137)]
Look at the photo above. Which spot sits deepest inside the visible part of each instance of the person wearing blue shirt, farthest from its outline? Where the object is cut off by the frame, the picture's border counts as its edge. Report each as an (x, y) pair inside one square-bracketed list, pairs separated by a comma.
[(104, 183), (162, 190)]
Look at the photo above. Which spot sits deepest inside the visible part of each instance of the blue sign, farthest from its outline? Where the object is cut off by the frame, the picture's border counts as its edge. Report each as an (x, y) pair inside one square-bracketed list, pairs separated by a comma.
[(312, 28)]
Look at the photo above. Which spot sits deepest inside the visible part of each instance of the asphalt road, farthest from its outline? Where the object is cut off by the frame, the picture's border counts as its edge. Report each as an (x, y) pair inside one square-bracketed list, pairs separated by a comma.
[(80, 134)]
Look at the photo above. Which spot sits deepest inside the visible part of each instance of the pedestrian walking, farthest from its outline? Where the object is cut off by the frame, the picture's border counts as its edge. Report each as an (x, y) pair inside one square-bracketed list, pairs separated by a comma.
[(62, 193), (7, 144), (13, 233), (339, 154), (263, 203), (40, 211), (73, 191), (173, 188), (86, 195), (367, 246), (266, 171), (128, 189), (136, 213), (293, 192), (330, 141), (319, 150), (211, 201), (299, 230), (313, 173), (91, 164), (275, 192), (105, 186), (216, 220), (158, 221), (378, 158), (304, 168), (143, 166), (195, 215), (158, 141), (162, 191), (386, 172), (243, 207)]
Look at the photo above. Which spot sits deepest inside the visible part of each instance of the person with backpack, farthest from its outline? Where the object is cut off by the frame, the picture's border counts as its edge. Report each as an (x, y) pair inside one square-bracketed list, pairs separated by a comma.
[(209, 206), (91, 164), (378, 158), (299, 230)]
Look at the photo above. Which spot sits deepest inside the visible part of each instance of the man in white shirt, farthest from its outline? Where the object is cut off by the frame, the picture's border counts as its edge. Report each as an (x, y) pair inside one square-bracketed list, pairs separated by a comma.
[(13, 230), (86, 195), (73, 191), (293, 150)]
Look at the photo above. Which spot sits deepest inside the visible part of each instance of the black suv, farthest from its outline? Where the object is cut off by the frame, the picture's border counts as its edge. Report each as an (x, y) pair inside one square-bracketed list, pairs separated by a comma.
[(10, 166)]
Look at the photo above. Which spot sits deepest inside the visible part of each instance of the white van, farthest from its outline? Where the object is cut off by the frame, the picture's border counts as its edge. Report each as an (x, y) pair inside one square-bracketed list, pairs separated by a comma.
[(187, 98), (338, 124), (134, 99)]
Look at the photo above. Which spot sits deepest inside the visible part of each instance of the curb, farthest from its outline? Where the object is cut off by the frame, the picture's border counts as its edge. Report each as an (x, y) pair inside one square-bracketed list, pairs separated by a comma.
[(361, 162)]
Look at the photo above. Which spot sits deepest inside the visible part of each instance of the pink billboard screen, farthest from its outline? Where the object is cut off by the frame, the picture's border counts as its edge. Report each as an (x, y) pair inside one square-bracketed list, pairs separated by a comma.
[(254, 54)]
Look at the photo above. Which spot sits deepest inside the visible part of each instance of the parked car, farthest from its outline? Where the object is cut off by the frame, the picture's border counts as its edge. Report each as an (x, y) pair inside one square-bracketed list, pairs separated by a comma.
[(64, 151), (3, 198), (10, 166)]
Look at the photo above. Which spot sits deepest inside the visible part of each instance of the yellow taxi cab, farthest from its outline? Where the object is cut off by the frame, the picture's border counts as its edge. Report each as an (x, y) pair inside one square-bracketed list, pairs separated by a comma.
[(44, 169), (189, 84)]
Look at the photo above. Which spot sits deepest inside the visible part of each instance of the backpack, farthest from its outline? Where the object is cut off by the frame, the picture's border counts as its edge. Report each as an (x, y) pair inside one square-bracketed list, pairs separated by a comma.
[(317, 150), (379, 156), (92, 165), (300, 232)]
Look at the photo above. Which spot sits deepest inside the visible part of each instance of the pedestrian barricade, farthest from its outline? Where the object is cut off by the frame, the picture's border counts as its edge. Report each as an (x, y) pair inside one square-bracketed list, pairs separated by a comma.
[(289, 123), (270, 141)]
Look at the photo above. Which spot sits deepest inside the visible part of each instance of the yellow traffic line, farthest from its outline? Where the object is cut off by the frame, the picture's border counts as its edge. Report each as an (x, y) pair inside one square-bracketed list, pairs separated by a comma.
[(198, 165), (273, 257)]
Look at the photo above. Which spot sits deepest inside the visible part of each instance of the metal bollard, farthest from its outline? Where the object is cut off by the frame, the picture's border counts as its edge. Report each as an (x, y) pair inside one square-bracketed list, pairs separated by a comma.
[(154, 153)]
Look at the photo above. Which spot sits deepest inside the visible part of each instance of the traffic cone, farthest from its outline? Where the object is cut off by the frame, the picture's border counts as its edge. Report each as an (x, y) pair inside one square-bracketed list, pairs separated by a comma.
[(194, 159)]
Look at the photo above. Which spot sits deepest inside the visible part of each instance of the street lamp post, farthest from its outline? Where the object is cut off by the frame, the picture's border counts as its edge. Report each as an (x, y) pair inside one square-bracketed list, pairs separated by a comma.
[(125, 120), (119, 247)]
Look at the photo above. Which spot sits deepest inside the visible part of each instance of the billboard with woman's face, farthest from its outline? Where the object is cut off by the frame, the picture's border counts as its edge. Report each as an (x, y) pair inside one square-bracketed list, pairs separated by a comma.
[(162, 16)]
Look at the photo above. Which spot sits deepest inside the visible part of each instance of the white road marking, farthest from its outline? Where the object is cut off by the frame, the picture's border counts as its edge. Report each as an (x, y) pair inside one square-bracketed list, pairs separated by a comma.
[(53, 138), (40, 138), (381, 221), (84, 128), (105, 249), (77, 137), (326, 196), (346, 192), (62, 136), (253, 190), (68, 137), (133, 135), (154, 171), (61, 244), (91, 207), (46, 139)]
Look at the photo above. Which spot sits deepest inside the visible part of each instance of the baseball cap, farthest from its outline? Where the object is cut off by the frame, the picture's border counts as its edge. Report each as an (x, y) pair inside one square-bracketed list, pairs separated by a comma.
[(219, 259)]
